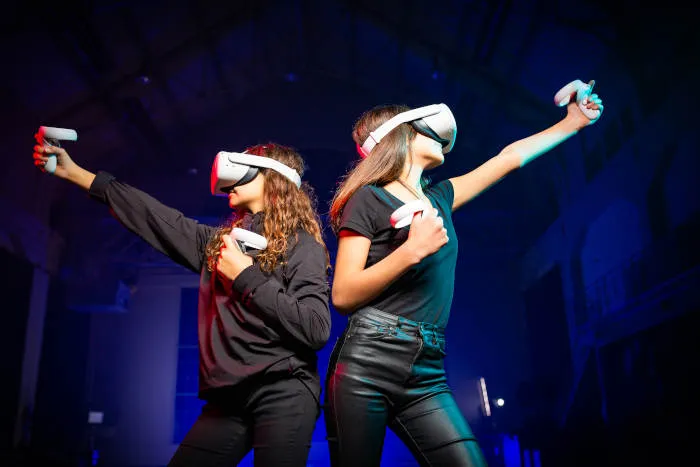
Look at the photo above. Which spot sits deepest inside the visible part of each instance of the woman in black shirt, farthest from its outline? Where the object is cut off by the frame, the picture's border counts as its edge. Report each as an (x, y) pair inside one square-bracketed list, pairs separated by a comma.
[(397, 283), (261, 320)]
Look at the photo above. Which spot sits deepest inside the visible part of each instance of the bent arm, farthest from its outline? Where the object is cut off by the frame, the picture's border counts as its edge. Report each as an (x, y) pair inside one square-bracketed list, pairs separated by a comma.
[(353, 285), (515, 155), (299, 311)]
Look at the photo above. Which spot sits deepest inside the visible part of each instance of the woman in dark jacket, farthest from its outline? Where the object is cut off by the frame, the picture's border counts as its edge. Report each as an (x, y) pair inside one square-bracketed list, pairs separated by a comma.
[(261, 317)]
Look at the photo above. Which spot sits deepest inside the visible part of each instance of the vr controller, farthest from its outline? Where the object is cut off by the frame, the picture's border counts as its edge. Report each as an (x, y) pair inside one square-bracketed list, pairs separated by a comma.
[(50, 136), (583, 92), (248, 241), (403, 216)]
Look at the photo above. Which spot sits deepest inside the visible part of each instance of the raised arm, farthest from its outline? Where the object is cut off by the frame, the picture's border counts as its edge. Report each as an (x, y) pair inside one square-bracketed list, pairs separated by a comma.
[(517, 154), (165, 229)]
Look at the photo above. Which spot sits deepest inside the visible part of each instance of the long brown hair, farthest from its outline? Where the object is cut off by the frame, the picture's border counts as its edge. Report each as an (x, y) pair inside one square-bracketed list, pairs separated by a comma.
[(286, 209), (384, 165)]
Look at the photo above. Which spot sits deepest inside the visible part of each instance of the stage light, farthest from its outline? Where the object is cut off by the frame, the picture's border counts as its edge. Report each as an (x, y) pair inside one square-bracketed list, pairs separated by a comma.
[(95, 418), (485, 406), (500, 402)]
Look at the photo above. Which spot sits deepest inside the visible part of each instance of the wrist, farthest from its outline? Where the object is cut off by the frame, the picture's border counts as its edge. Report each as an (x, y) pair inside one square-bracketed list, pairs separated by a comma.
[(241, 267), (571, 124), (80, 177), (411, 255)]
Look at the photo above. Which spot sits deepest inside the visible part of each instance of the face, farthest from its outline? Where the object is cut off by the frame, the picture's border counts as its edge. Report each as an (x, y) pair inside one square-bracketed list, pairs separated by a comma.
[(427, 152), (249, 196)]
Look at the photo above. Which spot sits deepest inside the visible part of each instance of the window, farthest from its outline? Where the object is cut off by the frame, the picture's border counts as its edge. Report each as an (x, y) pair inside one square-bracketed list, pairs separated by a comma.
[(187, 405)]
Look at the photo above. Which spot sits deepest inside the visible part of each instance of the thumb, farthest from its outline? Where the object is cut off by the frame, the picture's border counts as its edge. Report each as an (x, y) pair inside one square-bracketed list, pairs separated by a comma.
[(48, 149), (416, 219), (228, 241)]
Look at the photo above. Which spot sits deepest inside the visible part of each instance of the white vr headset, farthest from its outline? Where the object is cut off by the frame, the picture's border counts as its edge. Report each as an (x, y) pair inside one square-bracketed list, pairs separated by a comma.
[(233, 169), (434, 121)]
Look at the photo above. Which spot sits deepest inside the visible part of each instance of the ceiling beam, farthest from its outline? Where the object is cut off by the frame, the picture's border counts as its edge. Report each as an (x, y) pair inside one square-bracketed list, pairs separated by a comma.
[(192, 44), (86, 53), (499, 90)]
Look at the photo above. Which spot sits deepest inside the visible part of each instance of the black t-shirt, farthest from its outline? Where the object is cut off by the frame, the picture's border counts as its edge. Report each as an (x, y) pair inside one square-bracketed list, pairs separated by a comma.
[(424, 292)]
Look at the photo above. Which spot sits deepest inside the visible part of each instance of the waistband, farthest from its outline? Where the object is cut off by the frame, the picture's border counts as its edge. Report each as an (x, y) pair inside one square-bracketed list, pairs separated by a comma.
[(369, 313)]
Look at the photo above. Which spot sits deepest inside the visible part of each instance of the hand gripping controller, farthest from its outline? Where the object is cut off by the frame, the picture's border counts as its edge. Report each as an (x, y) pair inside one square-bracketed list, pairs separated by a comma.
[(583, 92), (248, 240), (48, 135), (403, 216)]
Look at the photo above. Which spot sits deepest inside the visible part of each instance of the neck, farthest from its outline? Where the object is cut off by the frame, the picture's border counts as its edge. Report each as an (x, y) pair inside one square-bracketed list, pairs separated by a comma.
[(248, 210), (412, 176), (255, 207)]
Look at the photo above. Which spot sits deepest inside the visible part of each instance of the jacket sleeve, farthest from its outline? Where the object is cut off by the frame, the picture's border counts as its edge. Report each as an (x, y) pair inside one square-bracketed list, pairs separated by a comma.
[(300, 310), (166, 229)]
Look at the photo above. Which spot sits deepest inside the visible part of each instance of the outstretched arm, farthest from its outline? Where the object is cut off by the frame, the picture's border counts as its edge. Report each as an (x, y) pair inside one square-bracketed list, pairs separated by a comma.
[(165, 229), (519, 153)]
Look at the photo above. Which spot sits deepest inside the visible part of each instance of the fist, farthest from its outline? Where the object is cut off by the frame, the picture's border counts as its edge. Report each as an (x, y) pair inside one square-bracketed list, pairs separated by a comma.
[(232, 261)]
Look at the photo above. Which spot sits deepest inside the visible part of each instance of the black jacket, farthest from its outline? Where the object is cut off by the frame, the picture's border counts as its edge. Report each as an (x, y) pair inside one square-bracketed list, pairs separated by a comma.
[(266, 323)]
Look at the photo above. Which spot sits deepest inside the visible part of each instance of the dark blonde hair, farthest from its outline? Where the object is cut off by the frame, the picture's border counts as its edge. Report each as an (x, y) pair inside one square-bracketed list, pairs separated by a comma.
[(286, 209), (385, 163)]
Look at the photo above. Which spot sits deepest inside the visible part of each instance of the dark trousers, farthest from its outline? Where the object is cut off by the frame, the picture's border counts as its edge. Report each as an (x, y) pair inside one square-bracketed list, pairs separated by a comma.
[(388, 371), (276, 419)]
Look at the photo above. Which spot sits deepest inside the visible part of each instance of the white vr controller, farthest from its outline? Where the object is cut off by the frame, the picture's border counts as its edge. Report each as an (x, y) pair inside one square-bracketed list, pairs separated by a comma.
[(403, 216), (583, 92), (248, 240), (50, 136)]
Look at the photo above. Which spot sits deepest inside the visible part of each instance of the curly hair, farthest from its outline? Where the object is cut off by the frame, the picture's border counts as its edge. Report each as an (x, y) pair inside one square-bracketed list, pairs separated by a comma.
[(287, 209)]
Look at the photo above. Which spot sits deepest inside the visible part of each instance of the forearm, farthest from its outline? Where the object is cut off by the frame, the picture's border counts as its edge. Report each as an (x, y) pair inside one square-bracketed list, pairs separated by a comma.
[(305, 320), (353, 290), (299, 312), (515, 155), (525, 150), (81, 177)]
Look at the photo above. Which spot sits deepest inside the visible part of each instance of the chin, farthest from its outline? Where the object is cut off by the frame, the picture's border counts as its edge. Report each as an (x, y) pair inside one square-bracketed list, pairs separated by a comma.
[(436, 163)]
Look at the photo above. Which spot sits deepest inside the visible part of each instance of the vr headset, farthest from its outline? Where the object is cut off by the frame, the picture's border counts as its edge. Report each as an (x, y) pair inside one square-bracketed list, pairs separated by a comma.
[(233, 169), (434, 121)]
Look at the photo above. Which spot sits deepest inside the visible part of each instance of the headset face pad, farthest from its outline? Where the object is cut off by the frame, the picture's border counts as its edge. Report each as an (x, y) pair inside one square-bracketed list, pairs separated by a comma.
[(248, 177), (421, 127)]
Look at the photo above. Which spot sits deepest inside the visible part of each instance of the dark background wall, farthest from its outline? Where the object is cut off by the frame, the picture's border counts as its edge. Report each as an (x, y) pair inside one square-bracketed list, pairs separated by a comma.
[(576, 288)]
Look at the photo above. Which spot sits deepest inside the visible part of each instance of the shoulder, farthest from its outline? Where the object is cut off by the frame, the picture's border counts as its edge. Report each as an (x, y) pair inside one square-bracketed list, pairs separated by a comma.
[(364, 194), (442, 192), (304, 251), (369, 199), (303, 243)]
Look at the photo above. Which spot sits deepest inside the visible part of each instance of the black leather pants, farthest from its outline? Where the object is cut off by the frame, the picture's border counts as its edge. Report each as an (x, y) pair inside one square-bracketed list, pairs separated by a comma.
[(388, 371)]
